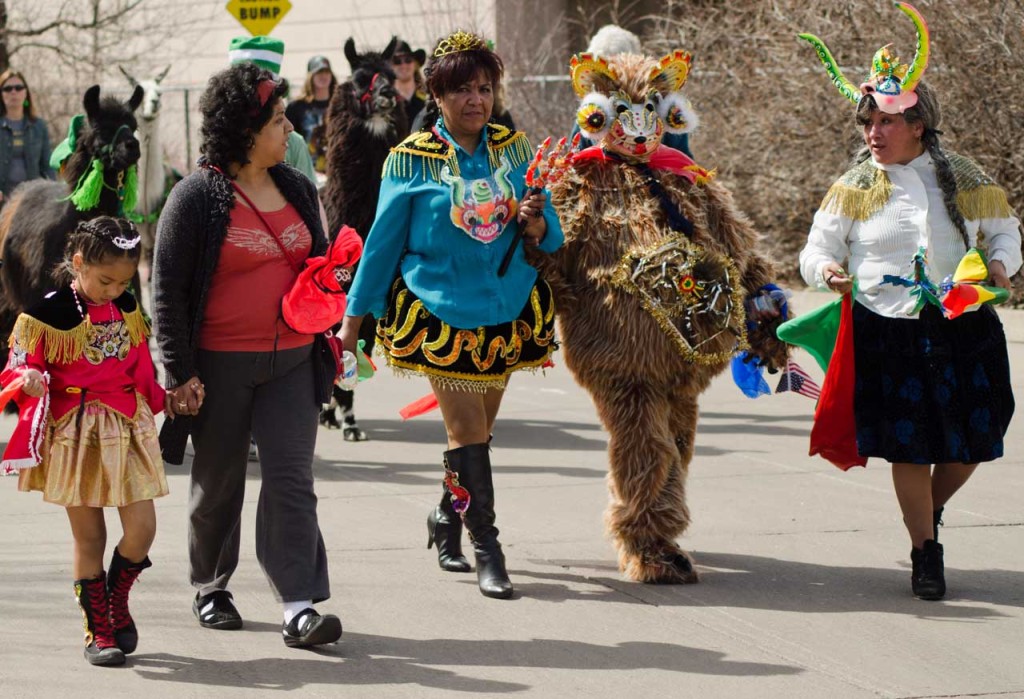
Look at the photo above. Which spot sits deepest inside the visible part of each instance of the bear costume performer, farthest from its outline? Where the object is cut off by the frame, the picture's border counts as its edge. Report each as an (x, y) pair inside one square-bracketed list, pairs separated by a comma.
[(651, 288)]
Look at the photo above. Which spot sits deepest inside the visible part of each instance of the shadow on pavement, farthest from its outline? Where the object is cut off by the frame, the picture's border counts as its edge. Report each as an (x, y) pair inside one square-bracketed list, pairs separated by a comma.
[(364, 659), (755, 582)]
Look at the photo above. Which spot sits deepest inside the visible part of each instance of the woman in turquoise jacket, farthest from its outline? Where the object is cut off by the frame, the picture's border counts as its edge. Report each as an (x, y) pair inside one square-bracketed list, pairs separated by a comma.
[(451, 201)]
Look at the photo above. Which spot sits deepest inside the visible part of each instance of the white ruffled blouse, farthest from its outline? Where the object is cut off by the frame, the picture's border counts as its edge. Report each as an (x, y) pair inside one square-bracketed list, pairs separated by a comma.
[(886, 242)]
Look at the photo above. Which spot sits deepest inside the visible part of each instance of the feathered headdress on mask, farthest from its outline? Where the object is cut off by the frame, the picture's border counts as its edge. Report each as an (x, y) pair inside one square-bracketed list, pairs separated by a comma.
[(890, 82)]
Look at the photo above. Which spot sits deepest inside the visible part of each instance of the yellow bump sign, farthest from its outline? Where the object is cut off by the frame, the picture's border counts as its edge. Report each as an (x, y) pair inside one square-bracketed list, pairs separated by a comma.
[(259, 17)]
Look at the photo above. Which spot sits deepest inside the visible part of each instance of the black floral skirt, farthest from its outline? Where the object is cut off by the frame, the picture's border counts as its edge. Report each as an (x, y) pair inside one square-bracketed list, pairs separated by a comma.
[(931, 390), (415, 341)]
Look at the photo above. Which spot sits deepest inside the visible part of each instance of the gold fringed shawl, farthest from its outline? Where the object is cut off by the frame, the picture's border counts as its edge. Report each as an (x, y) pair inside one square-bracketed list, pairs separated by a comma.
[(426, 152), (67, 346), (863, 190)]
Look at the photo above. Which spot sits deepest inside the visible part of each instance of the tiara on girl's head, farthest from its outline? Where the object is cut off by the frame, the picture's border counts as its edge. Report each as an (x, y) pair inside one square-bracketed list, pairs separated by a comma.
[(98, 228), (125, 243), (458, 41)]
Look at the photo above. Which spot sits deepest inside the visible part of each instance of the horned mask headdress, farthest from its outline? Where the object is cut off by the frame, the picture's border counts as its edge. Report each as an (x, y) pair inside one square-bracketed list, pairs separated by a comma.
[(890, 82)]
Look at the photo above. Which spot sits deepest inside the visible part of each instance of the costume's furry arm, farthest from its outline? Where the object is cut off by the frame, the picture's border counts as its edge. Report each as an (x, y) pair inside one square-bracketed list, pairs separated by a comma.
[(733, 228)]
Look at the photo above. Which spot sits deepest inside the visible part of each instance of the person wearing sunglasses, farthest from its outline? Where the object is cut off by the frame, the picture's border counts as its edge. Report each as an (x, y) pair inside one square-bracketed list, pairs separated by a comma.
[(409, 82), (24, 139)]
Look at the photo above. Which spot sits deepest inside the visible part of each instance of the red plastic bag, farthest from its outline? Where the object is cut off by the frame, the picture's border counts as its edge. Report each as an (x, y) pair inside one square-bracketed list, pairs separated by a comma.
[(834, 434), (316, 301)]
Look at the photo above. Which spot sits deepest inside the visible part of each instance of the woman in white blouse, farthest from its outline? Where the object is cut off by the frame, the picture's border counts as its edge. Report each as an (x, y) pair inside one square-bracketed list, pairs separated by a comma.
[(929, 390)]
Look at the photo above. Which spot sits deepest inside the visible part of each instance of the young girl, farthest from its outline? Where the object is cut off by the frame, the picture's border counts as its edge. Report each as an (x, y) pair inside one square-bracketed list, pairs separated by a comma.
[(86, 436)]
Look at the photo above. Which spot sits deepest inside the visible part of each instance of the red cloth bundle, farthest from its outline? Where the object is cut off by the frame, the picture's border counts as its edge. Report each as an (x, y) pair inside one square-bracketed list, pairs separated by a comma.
[(316, 301)]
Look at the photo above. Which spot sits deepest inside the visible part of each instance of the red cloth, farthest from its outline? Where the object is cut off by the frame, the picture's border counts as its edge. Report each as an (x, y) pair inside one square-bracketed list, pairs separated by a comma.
[(113, 382), (316, 301), (244, 303), (419, 406), (23, 448), (834, 434), (664, 158)]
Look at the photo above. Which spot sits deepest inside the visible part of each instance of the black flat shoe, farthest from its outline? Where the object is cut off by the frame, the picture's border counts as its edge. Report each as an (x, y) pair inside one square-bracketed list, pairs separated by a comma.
[(308, 628), (215, 611)]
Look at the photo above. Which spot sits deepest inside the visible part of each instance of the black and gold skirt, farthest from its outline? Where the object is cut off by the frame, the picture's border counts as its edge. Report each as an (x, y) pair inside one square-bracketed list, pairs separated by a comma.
[(417, 342)]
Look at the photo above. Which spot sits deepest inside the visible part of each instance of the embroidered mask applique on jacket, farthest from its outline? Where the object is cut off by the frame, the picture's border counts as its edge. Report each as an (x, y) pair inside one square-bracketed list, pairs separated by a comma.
[(481, 208)]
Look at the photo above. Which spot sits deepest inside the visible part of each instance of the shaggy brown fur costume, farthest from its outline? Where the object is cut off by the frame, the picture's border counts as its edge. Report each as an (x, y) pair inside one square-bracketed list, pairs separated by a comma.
[(645, 392)]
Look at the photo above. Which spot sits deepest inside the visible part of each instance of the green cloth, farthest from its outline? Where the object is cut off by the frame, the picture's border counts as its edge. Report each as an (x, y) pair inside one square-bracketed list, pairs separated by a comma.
[(66, 147), (298, 156), (815, 331)]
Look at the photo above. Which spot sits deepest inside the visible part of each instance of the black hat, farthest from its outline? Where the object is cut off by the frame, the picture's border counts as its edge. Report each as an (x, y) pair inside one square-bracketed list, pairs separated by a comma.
[(402, 47)]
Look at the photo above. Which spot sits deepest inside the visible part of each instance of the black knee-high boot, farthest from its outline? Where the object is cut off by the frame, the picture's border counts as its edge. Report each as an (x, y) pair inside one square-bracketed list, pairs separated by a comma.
[(444, 530), (122, 575), (472, 464)]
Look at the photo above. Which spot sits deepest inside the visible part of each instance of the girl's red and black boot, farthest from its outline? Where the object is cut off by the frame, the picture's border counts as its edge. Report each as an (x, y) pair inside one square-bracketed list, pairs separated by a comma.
[(122, 575), (100, 647)]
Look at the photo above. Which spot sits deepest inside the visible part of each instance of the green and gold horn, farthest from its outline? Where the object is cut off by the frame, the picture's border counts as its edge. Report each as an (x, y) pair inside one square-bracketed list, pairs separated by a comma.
[(845, 87), (924, 45)]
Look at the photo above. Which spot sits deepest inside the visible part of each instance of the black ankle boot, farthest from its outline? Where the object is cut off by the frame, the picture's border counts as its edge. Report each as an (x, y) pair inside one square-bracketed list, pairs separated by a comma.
[(928, 579), (444, 530), (472, 464), (100, 647), (936, 521), (122, 575)]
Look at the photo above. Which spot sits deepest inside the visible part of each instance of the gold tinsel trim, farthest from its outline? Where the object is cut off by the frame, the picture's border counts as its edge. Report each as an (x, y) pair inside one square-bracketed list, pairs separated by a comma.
[(987, 201), (472, 383), (59, 346), (432, 154), (518, 147), (67, 346), (846, 198), (863, 190), (622, 278), (137, 325)]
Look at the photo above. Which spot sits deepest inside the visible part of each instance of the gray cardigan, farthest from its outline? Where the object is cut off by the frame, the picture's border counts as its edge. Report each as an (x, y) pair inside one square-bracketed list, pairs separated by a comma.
[(190, 232)]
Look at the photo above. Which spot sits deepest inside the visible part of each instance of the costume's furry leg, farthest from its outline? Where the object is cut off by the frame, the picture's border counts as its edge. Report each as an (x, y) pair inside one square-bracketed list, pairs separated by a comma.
[(647, 509)]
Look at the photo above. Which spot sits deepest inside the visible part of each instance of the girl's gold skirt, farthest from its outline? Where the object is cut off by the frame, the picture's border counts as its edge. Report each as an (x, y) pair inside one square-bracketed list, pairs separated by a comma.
[(106, 460)]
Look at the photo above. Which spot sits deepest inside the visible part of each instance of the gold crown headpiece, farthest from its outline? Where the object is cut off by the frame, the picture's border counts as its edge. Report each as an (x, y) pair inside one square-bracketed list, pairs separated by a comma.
[(459, 41)]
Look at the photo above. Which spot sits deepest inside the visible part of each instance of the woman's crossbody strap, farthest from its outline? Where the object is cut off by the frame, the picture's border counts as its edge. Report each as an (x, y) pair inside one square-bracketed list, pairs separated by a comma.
[(273, 233)]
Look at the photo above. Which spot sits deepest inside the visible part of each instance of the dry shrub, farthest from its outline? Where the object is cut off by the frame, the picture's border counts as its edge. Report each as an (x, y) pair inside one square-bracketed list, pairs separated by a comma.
[(776, 129)]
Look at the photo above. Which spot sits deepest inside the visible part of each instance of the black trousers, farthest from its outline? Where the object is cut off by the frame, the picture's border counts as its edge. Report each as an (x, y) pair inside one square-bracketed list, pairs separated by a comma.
[(269, 397)]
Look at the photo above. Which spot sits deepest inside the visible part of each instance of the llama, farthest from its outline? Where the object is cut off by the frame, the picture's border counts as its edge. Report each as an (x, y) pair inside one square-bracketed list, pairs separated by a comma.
[(154, 174), (365, 118), (99, 180)]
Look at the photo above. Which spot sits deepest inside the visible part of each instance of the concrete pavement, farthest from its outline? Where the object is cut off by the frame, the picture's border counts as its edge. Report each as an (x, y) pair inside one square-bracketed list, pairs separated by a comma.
[(805, 589)]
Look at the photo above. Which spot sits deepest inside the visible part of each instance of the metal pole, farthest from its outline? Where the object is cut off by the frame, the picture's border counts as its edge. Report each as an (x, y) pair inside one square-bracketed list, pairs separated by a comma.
[(188, 135)]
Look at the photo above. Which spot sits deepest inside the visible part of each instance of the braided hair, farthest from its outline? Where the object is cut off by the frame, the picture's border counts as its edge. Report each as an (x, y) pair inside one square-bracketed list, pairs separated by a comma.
[(99, 240), (928, 113)]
